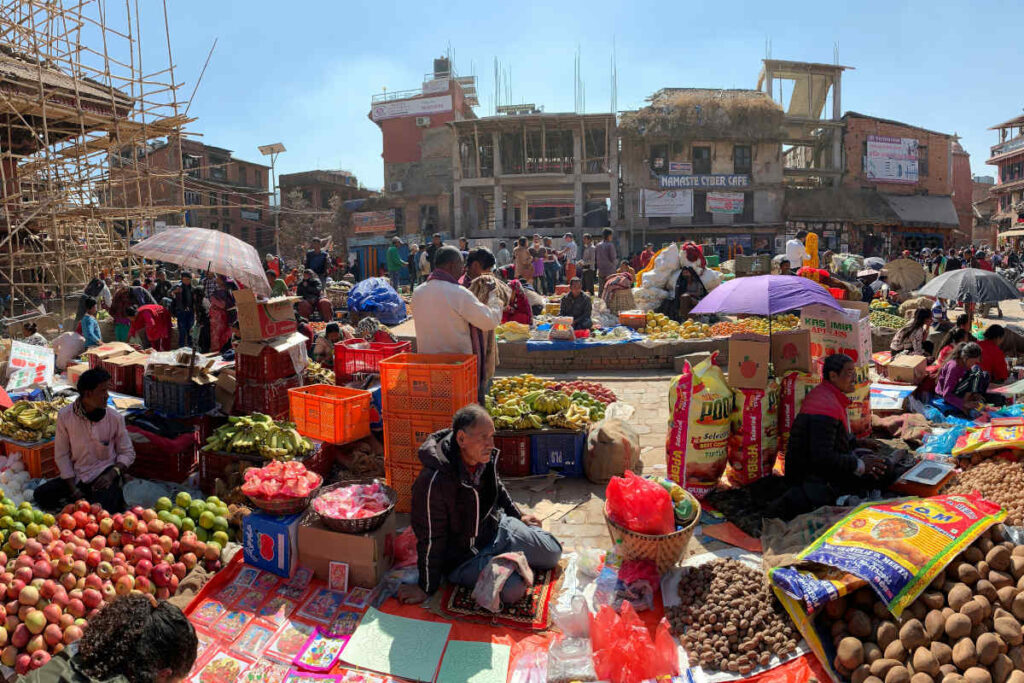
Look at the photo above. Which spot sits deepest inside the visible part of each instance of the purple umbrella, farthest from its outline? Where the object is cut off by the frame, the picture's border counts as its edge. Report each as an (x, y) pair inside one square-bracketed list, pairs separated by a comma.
[(765, 295)]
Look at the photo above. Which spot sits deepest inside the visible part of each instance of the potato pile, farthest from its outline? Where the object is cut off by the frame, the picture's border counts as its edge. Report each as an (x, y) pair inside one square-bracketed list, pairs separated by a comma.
[(998, 480), (731, 620), (965, 627)]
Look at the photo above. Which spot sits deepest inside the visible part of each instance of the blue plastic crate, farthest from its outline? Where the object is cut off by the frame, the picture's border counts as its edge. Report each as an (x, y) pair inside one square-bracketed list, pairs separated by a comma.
[(560, 451)]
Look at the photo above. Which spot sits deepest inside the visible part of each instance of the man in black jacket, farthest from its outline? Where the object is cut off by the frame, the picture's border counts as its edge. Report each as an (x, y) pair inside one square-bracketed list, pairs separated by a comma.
[(463, 516)]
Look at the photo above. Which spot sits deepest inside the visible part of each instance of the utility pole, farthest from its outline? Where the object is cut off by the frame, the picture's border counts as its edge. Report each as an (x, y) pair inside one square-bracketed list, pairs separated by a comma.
[(272, 151)]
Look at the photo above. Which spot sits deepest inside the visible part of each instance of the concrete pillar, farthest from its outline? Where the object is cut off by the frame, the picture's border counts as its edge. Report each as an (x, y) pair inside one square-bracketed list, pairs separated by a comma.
[(524, 216), (499, 211), (577, 203), (613, 181), (495, 143), (458, 229), (837, 133), (577, 171)]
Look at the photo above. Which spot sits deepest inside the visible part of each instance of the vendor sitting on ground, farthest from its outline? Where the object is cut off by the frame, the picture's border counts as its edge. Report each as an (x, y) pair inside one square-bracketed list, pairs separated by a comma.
[(311, 292), (92, 449), (993, 360), (463, 516), (822, 460), (913, 337), (962, 383), (955, 337), (689, 291), (323, 349), (577, 304), (785, 268)]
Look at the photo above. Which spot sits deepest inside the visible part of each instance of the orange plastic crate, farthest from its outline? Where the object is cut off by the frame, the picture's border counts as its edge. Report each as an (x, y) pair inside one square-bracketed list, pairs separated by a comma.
[(330, 413), (428, 384), (401, 478), (36, 457), (403, 435)]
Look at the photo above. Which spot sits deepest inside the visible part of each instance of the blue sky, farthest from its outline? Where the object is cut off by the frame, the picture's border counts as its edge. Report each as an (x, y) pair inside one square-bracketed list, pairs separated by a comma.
[(302, 73)]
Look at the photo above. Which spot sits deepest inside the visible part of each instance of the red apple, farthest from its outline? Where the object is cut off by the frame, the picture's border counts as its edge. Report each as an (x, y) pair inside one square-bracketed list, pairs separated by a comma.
[(19, 638), (92, 598), (166, 543), (66, 522), (79, 568), (93, 581), (173, 585), (104, 570), (72, 633), (25, 573), (41, 657), (52, 634), (172, 531), (163, 593), (81, 519), (189, 560), (65, 621), (61, 597), (24, 664), (161, 574), (35, 620), (124, 585), (143, 567), (119, 571), (33, 547), (91, 529), (41, 569), (92, 558), (29, 595), (75, 594), (78, 553), (49, 589), (179, 570), (107, 554), (68, 580), (143, 584), (52, 612), (14, 588), (64, 564), (76, 608), (130, 522), (114, 538), (108, 591), (35, 643), (148, 515), (142, 553), (106, 526), (98, 542), (9, 656)]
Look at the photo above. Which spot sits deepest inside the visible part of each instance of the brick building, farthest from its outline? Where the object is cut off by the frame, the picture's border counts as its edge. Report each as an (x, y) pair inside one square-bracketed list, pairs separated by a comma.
[(689, 172), (222, 192), (417, 148), (896, 190), (1008, 191), (319, 186)]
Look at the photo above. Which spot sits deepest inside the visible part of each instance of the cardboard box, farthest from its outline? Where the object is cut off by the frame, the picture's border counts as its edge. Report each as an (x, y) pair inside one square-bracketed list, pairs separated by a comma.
[(225, 392), (369, 556), (907, 368), (134, 364), (861, 306), (259, 320), (270, 542), (748, 361), (791, 350), (97, 354), (75, 371), (835, 331)]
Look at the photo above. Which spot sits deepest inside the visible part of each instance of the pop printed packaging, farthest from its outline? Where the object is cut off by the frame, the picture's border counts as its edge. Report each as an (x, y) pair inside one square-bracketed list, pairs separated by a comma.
[(320, 652), (205, 641), (794, 387), (290, 640), (297, 676), (232, 623), (246, 575), (296, 586), (345, 624), (700, 403), (251, 600), (754, 441), (254, 640), (231, 592)]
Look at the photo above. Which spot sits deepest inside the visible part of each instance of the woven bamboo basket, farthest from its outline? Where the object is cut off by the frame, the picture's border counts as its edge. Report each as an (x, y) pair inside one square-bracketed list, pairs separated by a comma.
[(664, 551), (622, 300)]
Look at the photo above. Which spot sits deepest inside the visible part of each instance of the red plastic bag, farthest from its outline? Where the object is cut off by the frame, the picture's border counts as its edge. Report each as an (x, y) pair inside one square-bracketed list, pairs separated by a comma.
[(640, 505), (624, 651), (405, 549)]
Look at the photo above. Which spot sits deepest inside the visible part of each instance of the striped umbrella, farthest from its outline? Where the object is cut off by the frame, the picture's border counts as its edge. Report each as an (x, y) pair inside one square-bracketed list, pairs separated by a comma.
[(201, 249)]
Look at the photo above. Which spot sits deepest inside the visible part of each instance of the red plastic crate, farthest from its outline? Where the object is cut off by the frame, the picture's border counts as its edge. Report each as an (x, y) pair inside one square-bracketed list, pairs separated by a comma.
[(263, 397), (401, 477), (36, 457), (330, 413), (403, 435), (428, 384), (162, 458), (353, 356), (266, 366), (514, 453)]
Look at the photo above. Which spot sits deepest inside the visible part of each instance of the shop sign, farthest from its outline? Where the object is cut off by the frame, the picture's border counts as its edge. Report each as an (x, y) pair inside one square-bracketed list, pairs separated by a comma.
[(670, 203), (373, 221), (680, 168), (667, 182), (891, 160), (250, 214), (422, 106), (725, 202)]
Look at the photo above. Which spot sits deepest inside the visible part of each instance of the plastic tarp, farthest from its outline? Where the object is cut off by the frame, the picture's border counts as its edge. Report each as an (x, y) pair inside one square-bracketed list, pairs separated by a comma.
[(376, 295)]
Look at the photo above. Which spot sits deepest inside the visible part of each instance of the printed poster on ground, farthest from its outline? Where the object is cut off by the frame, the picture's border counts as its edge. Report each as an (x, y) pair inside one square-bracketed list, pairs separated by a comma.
[(668, 203), (725, 202)]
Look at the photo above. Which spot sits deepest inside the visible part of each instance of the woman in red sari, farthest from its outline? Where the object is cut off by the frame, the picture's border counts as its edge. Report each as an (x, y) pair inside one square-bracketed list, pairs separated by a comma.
[(518, 309), (156, 321), (221, 301)]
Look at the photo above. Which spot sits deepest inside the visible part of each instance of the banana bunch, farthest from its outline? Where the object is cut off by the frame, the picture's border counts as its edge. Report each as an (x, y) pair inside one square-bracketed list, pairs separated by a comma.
[(259, 434), (529, 421), (318, 374), (31, 420), (547, 401), (512, 410), (574, 417)]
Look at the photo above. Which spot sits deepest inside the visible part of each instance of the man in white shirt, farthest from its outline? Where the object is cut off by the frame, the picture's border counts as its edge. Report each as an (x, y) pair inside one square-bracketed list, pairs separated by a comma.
[(796, 252), (504, 256), (569, 251), (449, 319)]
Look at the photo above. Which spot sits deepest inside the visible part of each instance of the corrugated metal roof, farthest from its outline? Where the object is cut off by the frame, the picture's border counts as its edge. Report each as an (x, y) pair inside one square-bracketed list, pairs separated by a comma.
[(915, 210)]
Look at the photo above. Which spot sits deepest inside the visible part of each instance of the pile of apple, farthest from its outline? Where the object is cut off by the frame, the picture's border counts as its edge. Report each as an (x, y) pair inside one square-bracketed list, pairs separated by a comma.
[(57, 580)]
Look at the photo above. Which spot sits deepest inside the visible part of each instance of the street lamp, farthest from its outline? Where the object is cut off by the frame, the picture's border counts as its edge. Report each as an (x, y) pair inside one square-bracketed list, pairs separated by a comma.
[(272, 151)]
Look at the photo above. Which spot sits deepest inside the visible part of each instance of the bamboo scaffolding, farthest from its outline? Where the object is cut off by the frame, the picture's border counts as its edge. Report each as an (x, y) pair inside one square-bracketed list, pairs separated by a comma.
[(73, 99)]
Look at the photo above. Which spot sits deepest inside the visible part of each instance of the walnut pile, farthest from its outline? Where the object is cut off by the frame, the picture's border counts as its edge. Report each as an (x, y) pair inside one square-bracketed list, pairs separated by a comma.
[(998, 480), (729, 620)]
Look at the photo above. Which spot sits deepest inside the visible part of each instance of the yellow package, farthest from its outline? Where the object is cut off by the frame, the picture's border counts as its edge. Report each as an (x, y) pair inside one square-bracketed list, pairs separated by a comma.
[(700, 405), (990, 439)]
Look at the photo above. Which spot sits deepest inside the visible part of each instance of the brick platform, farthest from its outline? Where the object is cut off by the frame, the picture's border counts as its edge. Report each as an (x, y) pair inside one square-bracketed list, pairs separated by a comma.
[(615, 357)]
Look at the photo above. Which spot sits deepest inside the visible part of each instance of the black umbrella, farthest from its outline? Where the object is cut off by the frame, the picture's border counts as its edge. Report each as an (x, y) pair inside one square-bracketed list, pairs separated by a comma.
[(970, 285)]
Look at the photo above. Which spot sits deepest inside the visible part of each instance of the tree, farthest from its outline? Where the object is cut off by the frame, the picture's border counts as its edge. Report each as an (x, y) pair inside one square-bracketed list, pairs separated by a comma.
[(300, 223)]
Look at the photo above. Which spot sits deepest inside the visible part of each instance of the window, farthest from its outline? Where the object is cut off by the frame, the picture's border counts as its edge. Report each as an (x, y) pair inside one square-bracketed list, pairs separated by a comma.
[(241, 175), (659, 158), (193, 198), (225, 211), (701, 158), (701, 215), (213, 199), (428, 217), (742, 162), (748, 210), (677, 148), (922, 161)]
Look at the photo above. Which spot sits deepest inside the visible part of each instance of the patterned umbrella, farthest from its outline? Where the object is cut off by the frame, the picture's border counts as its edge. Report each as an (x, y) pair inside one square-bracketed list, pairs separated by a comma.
[(201, 249)]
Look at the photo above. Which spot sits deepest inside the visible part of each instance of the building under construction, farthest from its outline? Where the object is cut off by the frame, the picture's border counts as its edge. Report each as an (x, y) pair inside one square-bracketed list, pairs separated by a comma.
[(73, 95)]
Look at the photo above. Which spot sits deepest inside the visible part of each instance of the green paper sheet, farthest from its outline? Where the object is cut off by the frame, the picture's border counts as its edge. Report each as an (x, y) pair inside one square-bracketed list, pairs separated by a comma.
[(407, 648), (471, 662)]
